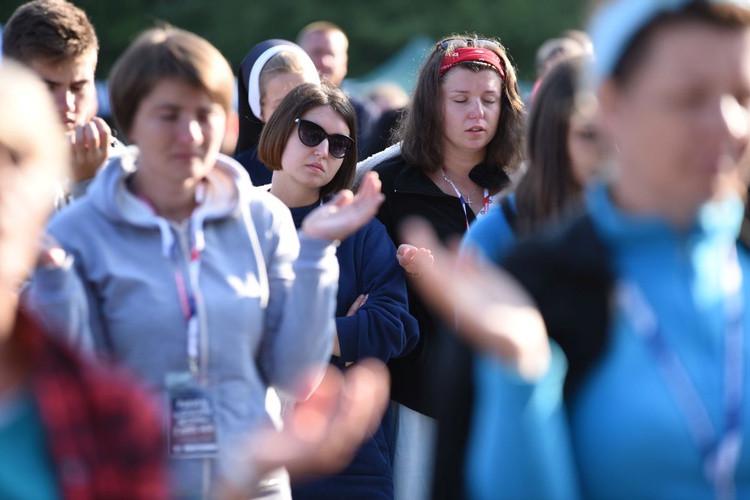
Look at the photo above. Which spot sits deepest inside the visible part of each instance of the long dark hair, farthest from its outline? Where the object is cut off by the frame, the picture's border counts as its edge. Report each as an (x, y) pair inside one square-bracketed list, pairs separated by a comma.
[(421, 129), (549, 185)]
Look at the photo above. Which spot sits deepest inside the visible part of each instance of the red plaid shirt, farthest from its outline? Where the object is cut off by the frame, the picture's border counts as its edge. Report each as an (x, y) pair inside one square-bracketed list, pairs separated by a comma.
[(104, 435)]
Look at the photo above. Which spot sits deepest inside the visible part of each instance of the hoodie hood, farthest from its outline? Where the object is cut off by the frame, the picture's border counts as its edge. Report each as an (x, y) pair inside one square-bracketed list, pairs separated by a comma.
[(225, 189), (248, 86), (373, 161)]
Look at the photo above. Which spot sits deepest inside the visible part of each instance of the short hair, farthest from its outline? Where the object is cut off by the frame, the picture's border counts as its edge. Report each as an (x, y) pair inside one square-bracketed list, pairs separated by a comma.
[(167, 53), (421, 130), (53, 30), (282, 124), (285, 62), (549, 185), (320, 27), (720, 15), (555, 48)]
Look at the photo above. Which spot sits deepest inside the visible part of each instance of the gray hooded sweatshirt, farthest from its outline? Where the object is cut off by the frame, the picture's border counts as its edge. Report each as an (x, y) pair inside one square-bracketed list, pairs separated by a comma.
[(264, 303)]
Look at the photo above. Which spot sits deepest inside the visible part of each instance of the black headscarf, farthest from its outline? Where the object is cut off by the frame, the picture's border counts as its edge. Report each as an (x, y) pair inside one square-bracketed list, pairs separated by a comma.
[(250, 124)]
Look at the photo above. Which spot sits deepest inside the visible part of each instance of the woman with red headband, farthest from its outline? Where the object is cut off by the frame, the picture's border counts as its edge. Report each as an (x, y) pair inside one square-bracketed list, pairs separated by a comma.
[(460, 138), (622, 368)]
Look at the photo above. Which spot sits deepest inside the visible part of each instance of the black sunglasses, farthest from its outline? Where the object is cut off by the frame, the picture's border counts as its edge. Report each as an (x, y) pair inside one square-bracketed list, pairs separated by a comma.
[(311, 134)]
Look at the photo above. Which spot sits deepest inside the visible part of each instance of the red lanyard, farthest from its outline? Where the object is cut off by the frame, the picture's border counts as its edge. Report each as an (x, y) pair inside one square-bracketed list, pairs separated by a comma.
[(188, 296)]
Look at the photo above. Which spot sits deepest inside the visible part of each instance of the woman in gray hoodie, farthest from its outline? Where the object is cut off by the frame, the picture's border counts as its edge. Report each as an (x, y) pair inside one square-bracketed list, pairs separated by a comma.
[(180, 270)]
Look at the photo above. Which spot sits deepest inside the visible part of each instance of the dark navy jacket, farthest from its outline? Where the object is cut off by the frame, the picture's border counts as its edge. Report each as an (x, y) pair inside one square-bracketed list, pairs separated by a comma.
[(382, 328), (259, 173)]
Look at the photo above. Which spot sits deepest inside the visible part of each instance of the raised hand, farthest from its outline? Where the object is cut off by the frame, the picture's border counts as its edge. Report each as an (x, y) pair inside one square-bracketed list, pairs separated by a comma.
[(51, 254), (492, 310), (323, 433), (414, 260), (345, 213), (89, 146)]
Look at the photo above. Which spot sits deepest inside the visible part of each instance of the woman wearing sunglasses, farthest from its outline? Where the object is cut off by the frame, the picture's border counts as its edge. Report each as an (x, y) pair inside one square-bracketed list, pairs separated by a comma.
[(188, 276), (645, 296), (269, 71), (461, 136), (308, 145)]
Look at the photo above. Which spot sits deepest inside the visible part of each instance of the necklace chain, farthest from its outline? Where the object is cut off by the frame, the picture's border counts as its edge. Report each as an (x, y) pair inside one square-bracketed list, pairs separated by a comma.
[(467, 197)]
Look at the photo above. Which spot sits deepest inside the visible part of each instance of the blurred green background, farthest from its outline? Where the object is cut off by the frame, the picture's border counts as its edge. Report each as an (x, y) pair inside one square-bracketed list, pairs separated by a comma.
[(376, 29)]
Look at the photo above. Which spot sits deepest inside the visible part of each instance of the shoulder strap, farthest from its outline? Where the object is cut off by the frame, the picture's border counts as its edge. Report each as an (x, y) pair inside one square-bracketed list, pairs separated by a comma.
[(569, 275), (510, 214)]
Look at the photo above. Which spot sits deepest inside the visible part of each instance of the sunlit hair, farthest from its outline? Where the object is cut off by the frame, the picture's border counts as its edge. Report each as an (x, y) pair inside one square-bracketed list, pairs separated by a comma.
[(421, 131), (50, 30), (281, 126), (285, 62), (549, 185), (167, 54)]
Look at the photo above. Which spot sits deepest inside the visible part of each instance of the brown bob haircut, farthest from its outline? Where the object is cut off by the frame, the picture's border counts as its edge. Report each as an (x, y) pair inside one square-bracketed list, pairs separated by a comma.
[(161, 54), (720, 15), (281, 126), (549, 186), (421, 129), (50, 30)]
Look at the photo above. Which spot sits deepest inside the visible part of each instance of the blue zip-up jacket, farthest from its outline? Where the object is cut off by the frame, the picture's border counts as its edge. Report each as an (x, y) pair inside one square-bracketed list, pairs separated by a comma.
[(491, 235), (381, 328), (625, 436)]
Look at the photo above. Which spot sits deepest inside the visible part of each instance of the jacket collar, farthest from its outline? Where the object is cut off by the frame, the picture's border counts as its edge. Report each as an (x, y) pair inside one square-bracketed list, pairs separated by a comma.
[(412, 180)]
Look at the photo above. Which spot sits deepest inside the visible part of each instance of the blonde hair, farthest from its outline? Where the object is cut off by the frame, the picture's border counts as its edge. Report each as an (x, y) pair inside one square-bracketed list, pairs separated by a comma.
[(284, 62)]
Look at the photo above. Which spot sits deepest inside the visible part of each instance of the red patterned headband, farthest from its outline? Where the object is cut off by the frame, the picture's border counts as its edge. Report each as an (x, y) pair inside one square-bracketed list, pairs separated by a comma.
[(472, 54)]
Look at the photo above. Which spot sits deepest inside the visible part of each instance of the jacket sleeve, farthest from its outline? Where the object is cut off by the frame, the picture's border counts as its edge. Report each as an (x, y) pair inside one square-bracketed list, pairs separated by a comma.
[(382, 327), (66, 306), (520, 442), (302, 283)]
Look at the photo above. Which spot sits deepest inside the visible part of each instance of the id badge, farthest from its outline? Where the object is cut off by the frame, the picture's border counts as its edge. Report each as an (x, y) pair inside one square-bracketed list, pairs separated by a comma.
[(191, 411)]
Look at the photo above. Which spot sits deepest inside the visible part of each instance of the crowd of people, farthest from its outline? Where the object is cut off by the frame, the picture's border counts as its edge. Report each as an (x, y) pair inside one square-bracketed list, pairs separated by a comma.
[(289, 321)]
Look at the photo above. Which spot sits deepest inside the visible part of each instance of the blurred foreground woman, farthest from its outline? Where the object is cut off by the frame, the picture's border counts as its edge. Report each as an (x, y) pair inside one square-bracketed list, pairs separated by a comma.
[(68, 428)]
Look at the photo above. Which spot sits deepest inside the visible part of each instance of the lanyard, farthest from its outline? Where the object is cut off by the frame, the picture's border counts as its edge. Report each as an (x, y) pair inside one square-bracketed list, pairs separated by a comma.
[(720, 454), (485, 204), (187, 296)]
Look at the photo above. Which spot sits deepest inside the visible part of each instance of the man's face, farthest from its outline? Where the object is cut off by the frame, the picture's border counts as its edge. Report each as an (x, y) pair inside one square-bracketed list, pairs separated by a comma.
[(328, 51), (72, 85)]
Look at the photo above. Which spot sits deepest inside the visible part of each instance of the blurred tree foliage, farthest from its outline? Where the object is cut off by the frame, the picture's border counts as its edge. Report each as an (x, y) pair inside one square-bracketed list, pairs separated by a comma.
[(376, 29)]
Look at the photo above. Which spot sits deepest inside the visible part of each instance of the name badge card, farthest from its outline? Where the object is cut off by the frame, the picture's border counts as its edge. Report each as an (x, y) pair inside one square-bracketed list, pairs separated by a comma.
[(192, 429)]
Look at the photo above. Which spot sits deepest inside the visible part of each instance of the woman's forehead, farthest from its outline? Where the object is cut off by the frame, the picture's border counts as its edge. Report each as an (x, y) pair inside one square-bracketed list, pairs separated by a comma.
[(465, 79)]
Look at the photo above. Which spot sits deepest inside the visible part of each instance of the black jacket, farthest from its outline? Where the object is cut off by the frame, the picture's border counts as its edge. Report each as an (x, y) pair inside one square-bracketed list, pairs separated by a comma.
[(415, 378)]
